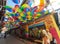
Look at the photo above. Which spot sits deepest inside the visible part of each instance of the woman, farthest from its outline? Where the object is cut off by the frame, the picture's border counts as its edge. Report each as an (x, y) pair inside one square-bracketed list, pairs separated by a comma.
[(48, 37)]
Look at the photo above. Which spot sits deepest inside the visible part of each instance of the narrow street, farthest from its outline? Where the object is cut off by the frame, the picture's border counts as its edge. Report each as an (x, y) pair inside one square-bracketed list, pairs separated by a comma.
[(13, 40)]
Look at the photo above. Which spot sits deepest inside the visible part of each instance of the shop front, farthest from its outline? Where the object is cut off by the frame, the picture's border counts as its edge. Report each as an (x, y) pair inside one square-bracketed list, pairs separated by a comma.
[(47, 22)]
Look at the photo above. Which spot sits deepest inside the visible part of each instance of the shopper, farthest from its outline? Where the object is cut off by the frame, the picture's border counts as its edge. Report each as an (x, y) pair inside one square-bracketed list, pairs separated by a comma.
[(53, 41), (52, 31), (4, 32), (47, 36), (44, 37)]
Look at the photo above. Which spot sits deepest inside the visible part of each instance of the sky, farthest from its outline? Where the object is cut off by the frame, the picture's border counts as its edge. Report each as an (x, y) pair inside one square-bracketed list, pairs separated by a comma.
[(54, 5), (11, 3), (35, 3)]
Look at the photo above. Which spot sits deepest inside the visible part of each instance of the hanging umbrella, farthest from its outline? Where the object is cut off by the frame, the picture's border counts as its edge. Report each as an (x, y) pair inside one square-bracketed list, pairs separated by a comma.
[(16, 1), (8, 8)]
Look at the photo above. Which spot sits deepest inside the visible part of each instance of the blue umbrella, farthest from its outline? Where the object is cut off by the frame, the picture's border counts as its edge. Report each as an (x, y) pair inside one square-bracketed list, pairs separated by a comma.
[(17, 14), (9, 9), (16, 1), (27, 9), (5, 19)]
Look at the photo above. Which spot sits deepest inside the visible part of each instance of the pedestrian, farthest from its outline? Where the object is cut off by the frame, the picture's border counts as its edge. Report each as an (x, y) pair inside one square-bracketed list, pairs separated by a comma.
[(53, 41), (48, 37), (3, 32)]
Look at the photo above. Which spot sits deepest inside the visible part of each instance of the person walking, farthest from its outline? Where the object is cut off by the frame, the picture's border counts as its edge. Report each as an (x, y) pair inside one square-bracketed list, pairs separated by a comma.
[(4, 32)]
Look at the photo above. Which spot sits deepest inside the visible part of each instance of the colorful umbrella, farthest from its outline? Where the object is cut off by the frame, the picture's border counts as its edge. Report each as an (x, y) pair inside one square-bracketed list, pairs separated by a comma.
[(16, 1), (7, 7)]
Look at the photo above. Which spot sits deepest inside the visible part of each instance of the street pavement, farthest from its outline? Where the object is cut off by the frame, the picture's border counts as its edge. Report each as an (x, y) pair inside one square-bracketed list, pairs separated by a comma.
[(14, 40)]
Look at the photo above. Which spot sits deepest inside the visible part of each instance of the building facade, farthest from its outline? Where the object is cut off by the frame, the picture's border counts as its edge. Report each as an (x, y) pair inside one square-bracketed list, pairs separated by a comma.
[(2, 9)]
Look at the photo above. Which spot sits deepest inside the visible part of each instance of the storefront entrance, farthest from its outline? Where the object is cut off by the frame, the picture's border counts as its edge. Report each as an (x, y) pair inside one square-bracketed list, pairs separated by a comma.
[(35, 30)]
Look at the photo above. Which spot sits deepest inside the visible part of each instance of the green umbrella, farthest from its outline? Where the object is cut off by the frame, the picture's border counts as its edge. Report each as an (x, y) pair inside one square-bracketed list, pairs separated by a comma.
[(7, 7), (19, 10)]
